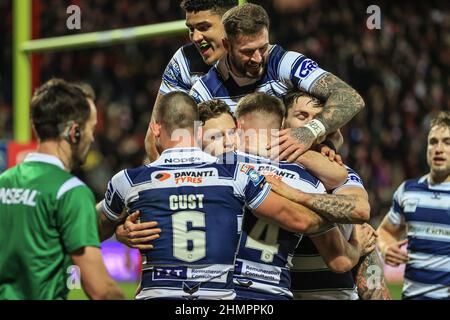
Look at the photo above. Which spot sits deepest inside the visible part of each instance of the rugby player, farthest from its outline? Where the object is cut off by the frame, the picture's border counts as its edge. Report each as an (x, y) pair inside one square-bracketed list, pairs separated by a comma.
[(253, 64), (265, 251), (420, 211), (196, 199), (312, 279), (193, 60)]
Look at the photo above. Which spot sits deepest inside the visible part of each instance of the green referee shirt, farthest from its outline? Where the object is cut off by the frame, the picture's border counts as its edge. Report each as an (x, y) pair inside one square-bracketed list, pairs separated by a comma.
[(45, 214)]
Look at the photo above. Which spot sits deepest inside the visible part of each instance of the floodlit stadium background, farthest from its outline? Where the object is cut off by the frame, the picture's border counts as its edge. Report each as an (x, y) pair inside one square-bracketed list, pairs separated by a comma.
[(401, 70)]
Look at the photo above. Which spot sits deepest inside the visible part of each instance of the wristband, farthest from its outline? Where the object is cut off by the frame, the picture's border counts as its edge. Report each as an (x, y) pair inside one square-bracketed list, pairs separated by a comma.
[(316, 127)]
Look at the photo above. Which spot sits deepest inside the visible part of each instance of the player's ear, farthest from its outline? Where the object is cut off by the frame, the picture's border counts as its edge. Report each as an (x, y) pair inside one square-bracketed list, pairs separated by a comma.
[(156, 129), (283, 123), (226, 44), (199, 134), (239, 124)]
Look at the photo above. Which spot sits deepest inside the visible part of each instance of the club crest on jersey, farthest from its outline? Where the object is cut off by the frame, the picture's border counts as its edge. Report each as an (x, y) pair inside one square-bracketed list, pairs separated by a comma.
[(255, 177), (411, 205), (305, 68)]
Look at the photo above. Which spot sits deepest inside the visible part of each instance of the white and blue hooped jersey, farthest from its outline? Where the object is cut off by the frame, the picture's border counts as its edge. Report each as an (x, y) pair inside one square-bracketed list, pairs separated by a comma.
[(265, 250), (425, 209), (196, 199), (285, 70), (183, 70), (311, 277)]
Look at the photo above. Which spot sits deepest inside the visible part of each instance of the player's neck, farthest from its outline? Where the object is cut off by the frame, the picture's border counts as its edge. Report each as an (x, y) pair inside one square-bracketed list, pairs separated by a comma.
[(58, 149), (436, 178), (182, 143)]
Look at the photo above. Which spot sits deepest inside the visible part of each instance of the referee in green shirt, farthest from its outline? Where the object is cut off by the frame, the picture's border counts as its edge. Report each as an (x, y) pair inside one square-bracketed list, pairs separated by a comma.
[(47, 216)]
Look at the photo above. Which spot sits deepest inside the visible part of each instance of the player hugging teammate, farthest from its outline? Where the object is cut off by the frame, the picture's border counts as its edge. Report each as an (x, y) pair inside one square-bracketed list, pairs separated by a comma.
[(294, 225)]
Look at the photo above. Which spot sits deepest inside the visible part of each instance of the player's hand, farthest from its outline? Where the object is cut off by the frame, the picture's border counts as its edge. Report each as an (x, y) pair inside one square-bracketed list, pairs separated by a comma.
[(393, 255), (366, 236), (283, 189), (330, 154), (289, 144), (137, 235)]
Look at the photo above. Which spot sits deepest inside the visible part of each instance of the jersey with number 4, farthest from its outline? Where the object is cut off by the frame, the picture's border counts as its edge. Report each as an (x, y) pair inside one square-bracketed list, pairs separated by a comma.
[(265, 250), (285, 70), (311, 277), (196, 199)]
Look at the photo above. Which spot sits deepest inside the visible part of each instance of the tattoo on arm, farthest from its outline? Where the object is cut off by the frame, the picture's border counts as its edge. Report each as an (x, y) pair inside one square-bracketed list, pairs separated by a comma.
[(303, 135), (342, 102), (370, 279), (336, 208)]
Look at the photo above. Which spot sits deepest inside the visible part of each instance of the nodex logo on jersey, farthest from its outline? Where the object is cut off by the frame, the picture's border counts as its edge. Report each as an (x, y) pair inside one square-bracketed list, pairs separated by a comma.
[(305, 68), (164, 273), (183, 160)]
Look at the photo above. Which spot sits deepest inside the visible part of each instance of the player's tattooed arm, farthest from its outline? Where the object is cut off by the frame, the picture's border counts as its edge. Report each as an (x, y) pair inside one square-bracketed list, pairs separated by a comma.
[(370, 279), (342, 102), (339, 208)]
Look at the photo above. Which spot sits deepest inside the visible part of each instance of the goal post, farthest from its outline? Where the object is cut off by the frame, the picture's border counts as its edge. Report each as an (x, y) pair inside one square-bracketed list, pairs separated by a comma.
[(23, 46)]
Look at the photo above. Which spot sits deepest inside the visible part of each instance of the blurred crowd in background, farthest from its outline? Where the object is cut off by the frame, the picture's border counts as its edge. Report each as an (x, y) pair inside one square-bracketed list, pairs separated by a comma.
[(401, 70)]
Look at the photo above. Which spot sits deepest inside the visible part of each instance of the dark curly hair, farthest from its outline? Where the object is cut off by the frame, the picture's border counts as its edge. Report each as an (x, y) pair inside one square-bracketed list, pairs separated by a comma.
[(217, 6), (213, 109)]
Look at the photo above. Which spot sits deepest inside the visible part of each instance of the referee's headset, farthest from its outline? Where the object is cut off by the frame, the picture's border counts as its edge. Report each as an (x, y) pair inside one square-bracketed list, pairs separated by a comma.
[(71, 133)]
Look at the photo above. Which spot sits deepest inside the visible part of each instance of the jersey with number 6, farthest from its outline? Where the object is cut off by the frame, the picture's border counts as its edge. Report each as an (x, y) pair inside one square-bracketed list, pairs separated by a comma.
[(196, 200), (265, 250)]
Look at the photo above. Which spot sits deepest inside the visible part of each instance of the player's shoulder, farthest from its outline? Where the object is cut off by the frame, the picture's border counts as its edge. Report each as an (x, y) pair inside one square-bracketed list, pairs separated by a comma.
[(234, 162), (135, 176), (302, 173), (352, 175), (415, 184), (212, 80), (278, 56), (193, 59)]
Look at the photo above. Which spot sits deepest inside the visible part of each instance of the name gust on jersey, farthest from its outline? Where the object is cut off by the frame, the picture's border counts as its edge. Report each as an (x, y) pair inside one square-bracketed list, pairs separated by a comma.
[(18, 196)]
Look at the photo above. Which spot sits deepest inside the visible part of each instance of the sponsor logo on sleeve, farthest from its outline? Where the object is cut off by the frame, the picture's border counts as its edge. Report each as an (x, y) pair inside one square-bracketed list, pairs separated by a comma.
[(255, 177), (355, 178), (305, 68), (172, 73), (109, 193)]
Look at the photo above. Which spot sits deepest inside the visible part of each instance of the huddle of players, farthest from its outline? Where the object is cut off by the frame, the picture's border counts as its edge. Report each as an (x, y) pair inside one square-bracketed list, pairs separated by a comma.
[(271, 262)]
